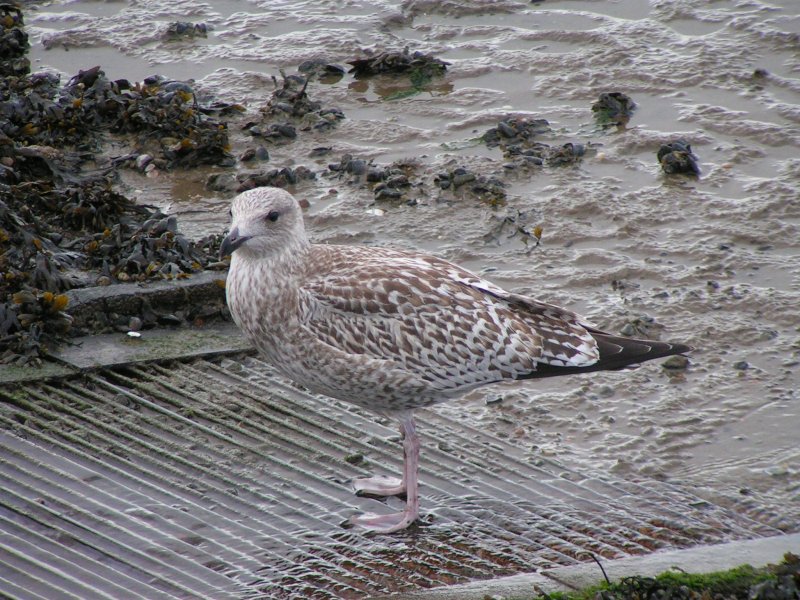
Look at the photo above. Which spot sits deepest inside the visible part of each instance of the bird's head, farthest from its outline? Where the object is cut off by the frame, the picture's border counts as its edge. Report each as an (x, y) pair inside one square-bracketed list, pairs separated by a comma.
[(264, 221)]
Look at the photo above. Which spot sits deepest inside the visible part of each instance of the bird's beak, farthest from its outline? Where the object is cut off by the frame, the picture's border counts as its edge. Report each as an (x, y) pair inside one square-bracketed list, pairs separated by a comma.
[(231, 242)]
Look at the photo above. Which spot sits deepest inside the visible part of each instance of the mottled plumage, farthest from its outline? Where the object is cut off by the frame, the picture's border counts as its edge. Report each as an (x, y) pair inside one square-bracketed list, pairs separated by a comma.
[(393, 331)]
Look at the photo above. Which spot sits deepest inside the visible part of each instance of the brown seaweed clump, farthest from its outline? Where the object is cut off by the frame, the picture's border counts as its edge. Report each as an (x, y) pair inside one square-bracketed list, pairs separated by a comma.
[(13, 42), (63, 226), (53, 239)]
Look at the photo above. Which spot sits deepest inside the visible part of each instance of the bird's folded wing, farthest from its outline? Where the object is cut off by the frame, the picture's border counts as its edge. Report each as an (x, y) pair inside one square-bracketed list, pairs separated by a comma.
[(431, 316)]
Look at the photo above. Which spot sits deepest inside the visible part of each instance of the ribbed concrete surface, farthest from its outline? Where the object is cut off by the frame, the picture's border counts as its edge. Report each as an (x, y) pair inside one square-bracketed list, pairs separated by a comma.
[(210, 479)]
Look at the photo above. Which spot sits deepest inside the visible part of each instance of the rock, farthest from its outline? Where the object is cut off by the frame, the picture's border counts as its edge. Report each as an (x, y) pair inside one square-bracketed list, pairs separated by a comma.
[(676, 362)]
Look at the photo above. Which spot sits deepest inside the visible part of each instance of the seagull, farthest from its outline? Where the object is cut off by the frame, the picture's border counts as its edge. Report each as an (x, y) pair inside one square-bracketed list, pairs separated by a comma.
[(393, 330)]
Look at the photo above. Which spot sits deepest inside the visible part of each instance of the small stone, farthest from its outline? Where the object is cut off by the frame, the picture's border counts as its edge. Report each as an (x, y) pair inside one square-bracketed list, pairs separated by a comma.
[(142, 161), (777, 471), (169, 319), (135, 324), (676, 363), (356, 458), (741, 365), (605, 391)]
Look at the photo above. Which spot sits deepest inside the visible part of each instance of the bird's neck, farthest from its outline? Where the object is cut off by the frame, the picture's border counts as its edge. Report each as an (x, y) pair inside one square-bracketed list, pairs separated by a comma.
[(259, 287)]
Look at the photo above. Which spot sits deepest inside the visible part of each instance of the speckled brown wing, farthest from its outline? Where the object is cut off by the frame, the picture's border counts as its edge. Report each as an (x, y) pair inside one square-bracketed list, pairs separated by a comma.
[(431, 317)]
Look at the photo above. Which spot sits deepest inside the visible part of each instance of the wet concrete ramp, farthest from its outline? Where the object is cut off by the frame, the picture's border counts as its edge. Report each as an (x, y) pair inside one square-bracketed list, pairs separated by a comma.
[(211, 479)]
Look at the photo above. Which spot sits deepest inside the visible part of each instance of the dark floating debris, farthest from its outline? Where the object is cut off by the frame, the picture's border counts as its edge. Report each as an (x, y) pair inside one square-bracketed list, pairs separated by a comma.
[(613, 108), (398, 63), (677, 158)]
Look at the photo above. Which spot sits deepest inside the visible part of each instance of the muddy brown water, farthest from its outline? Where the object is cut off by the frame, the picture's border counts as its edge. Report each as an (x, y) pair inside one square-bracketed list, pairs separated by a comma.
[(714, 262)]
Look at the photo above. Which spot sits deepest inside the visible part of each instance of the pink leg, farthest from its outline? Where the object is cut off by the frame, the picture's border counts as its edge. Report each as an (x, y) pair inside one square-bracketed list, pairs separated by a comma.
[(397, 521)]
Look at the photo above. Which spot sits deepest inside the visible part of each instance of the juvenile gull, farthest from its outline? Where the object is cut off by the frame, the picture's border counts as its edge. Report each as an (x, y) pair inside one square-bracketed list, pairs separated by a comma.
[(393, 331)]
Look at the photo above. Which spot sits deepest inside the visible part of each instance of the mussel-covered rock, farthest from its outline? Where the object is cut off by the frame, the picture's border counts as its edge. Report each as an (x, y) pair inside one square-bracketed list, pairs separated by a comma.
[(290, 110), (515, 131), (677, 157), (388, 182), (185, 29), (282, 177), (613, 108), (515, 136), (322, 70), (567, 154), (487, 189), (398, 62), (350, 165)]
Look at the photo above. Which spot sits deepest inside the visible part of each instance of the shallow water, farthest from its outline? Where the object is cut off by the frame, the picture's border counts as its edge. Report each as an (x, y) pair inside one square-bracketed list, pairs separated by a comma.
[(713, 261)]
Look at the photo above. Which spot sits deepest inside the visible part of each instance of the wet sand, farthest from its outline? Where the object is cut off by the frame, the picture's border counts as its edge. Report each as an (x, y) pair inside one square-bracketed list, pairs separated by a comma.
[(712, 262)]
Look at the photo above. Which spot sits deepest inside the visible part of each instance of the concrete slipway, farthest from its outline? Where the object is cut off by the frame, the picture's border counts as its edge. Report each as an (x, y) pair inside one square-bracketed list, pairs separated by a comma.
[(176, 465)]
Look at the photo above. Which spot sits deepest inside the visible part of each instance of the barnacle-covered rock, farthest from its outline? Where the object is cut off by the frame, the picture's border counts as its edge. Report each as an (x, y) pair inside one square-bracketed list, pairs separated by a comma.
[(677, 157), (185, 30)]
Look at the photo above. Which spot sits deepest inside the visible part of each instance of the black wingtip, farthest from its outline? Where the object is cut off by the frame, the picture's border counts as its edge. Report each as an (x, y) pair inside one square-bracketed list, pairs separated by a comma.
[(616, 352)]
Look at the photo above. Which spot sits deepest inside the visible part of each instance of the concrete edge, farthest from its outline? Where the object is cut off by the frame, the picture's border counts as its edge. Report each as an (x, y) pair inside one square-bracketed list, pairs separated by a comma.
[(701, 559), (127, 298)]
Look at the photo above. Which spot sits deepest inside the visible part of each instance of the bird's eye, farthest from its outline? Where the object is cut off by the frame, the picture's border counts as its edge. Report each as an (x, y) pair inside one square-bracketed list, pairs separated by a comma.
[(273, 215)]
